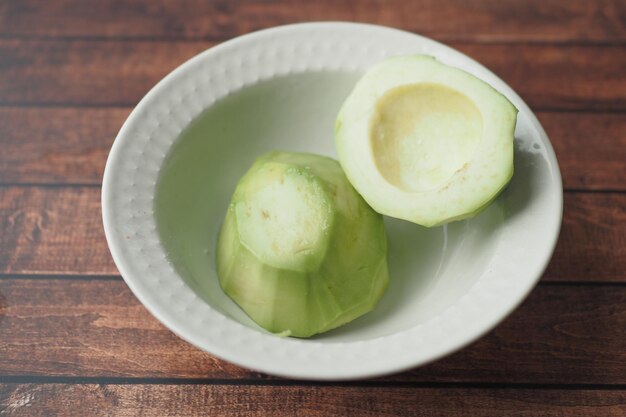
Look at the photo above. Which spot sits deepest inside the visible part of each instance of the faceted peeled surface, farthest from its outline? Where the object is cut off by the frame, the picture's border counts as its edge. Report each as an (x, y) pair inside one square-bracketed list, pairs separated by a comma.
[(291, 287), (284, 218), (414, 130)]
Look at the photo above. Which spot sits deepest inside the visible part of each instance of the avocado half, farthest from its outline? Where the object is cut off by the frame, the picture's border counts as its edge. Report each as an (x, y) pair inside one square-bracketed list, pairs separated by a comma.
[(299, 250), (425, 142)]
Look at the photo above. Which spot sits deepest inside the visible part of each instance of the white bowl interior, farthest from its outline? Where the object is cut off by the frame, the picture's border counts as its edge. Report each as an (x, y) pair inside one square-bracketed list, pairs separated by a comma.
[(200, 129), (430, 269)]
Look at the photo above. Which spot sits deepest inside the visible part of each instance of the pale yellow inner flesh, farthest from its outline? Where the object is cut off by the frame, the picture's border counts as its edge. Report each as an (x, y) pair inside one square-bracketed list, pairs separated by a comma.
[(422, 134)]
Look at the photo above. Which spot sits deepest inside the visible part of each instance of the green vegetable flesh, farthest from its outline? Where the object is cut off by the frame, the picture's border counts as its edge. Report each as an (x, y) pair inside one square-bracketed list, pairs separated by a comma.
[(426, 142), (300, 251)]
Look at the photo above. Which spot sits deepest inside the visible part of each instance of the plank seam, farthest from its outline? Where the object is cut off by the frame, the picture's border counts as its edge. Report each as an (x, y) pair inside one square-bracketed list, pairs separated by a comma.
[(48, 276), (79, 380), (218, 39)]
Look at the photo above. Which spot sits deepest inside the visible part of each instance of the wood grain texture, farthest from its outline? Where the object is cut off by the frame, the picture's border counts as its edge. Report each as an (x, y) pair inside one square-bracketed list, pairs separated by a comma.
[(70, 70), (590, 148), (50, 230), (70, 145), (92, 328), (86, 73), (59, 231), (97, 328), (579, 252), (57, 145), (119, 73), (33, 400), (476, 20)]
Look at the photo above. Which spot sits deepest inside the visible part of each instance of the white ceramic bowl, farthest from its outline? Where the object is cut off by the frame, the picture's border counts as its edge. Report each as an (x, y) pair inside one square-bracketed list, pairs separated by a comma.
[(281, 89)]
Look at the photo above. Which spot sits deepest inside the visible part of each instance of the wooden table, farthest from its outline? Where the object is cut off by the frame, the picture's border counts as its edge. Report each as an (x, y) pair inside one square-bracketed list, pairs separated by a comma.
[(75, 341)]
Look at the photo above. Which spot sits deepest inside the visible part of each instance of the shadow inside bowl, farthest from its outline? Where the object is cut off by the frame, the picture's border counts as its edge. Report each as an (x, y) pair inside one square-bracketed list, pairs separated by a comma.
[(430, 269), (293, 112)]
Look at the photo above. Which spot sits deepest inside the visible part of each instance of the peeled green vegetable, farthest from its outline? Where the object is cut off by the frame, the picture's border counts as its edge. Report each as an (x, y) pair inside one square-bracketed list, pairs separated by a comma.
[(426, 142), (300, 251)]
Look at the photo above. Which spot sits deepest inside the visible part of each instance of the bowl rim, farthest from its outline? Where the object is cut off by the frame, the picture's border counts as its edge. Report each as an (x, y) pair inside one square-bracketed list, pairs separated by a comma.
[(226, 334)]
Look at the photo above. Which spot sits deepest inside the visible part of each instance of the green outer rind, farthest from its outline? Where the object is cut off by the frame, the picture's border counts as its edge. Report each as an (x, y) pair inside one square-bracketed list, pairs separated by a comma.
[(349, 281)]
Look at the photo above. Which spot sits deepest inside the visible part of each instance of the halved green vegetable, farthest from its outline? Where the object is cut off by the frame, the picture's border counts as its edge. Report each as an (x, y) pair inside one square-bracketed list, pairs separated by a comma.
[(300, 251), (426, 142)]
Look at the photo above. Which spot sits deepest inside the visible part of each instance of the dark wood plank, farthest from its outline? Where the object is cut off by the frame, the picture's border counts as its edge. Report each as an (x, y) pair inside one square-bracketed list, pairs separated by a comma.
[(560, 334), (86, 73), (476, 20), (88, 328), (70, 145), (59, 231), (35, 400), (579, 253), (96, 328), (590, 148), (56, 231), (57, 145), (558, 77), (120, 73)]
